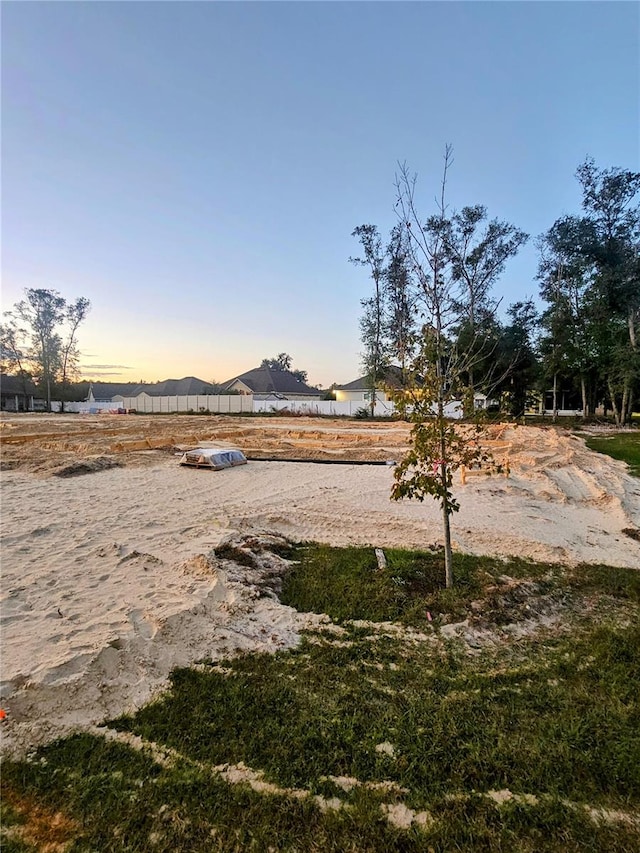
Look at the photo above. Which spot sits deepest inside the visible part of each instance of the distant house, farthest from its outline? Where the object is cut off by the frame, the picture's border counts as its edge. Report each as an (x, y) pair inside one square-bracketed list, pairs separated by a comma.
[(118, 391), (105, 392), (18, 394), (359, 391), (266, 383), (481, 401)]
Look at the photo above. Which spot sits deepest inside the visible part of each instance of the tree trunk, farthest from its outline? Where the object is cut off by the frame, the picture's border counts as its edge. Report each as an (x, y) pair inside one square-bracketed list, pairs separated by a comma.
[(472, 323), (378, 345), (448, 554), (583, 390), (631, 317), (555, 397), (614, 403), (634, 346), (625, 403), (403, 380), (446, 509)]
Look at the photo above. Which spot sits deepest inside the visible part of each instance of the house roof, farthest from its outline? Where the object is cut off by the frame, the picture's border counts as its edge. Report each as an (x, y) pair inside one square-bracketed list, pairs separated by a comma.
[(392, 376), (16, 385), (108, 390), (188, 385), (266, 380), (180, 387)]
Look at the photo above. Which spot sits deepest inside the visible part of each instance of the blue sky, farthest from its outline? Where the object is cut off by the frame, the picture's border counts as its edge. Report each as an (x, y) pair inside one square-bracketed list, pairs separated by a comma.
[(196, 169)]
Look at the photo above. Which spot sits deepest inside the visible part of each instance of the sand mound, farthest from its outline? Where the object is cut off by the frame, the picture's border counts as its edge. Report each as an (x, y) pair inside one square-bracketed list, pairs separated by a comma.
[(122, 655)]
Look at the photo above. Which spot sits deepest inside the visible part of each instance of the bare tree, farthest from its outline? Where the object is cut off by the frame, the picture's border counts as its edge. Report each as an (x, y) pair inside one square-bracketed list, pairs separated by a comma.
[(439, 446)]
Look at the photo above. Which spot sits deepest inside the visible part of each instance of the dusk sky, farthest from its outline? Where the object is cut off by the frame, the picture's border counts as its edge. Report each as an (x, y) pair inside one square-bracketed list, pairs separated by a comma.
[(196, 169)]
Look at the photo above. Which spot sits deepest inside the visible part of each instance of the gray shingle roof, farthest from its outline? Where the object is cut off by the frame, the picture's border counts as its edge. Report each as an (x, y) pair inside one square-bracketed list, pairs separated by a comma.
[(265, 380), (392, 376), (181, 387), (16, 385), (188, 385), (108, 390)]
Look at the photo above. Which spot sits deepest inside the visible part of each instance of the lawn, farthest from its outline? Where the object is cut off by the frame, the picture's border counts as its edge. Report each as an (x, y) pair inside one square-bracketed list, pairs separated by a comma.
[(622, 445), (500, 716)]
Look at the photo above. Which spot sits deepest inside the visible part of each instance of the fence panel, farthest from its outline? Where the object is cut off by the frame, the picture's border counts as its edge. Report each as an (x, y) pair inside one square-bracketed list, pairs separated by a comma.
[(312, 407), (240, 403), (384, 409)]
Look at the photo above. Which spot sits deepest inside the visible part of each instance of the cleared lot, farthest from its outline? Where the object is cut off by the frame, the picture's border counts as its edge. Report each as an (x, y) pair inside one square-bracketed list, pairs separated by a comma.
[(108, 580)]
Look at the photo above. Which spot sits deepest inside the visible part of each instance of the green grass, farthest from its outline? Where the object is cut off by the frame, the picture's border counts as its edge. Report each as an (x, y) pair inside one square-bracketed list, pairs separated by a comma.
[(345, 583), (624, 446), (554, 713)]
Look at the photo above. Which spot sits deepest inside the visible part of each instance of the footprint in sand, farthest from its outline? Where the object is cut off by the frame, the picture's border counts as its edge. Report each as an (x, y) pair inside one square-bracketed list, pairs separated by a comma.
[(142, 625)]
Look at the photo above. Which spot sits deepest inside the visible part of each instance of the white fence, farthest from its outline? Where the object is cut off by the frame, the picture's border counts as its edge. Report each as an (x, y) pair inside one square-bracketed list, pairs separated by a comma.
[(330, 407), (85, 408), (236, 404), (240, 403), (320, 407), (215, 404)]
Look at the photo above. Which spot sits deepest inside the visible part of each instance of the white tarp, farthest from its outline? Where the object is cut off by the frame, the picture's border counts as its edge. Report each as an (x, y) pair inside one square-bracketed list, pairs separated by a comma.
[(213, 457)]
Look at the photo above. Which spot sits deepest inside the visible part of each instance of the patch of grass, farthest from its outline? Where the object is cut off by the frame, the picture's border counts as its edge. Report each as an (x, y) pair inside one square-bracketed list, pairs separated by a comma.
[(346, 584), (554, 715), (565, 723), (623, 445), (618, 582)]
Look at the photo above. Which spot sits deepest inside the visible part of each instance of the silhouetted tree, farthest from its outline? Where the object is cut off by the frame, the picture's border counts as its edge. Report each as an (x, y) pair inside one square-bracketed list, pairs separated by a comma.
[(34, 330), (400, 306), (478, 250), (283, 361), (372, 326)]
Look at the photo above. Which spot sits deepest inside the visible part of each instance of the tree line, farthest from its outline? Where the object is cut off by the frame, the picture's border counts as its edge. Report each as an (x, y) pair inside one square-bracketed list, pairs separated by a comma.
[(435, 274)]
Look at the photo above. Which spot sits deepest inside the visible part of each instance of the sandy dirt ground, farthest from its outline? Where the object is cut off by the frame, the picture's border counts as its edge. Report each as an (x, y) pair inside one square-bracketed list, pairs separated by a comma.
[(108, 576)]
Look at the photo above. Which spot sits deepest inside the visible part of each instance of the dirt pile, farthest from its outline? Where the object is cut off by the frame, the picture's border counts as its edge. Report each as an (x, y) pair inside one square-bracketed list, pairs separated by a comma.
[(228, 607)]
